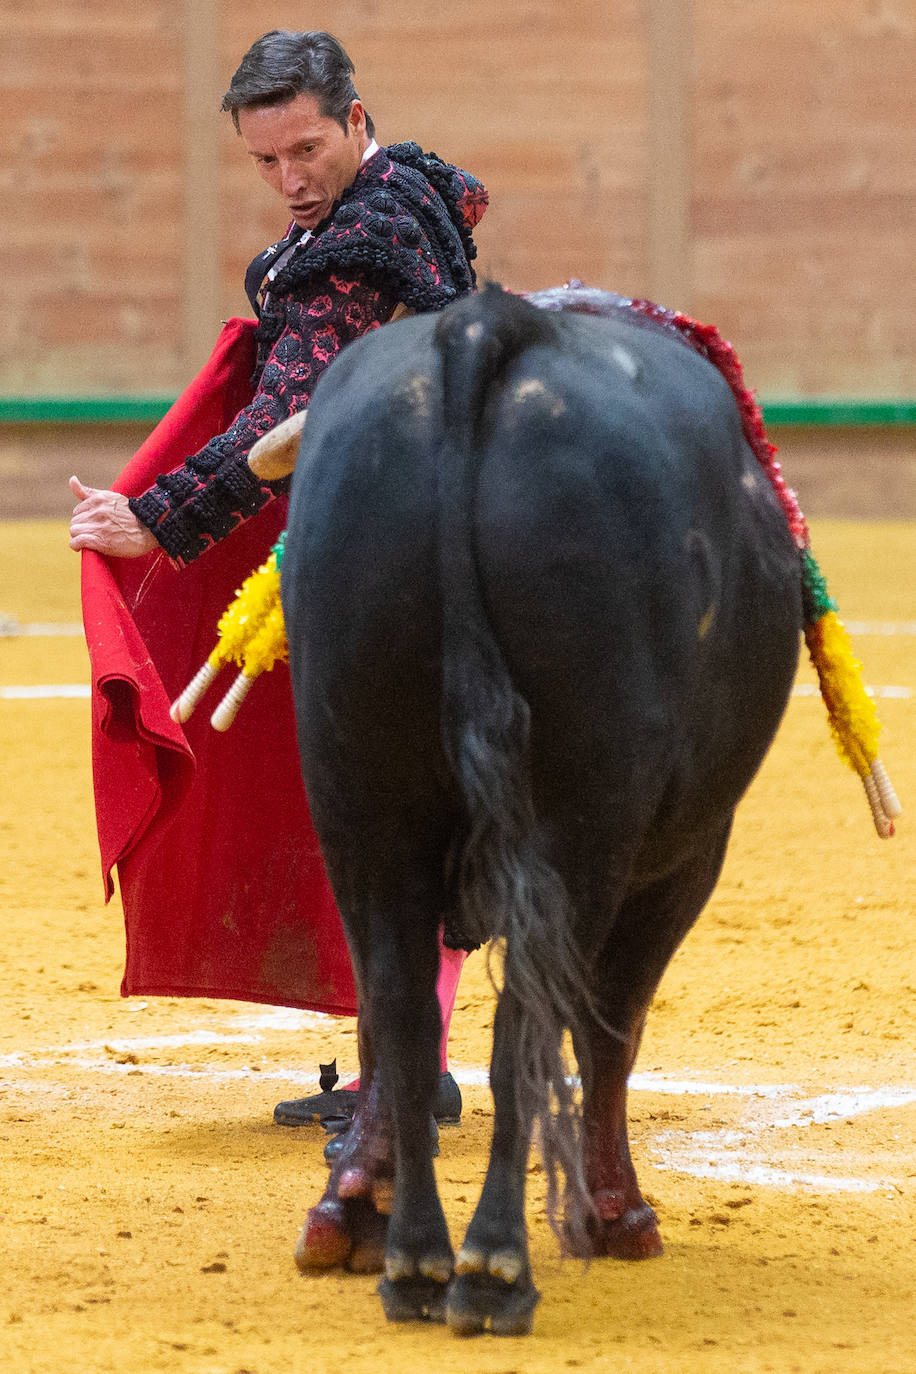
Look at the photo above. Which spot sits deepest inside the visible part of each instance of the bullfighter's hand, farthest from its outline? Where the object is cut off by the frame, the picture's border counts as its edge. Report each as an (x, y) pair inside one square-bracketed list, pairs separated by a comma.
[(103, 521)]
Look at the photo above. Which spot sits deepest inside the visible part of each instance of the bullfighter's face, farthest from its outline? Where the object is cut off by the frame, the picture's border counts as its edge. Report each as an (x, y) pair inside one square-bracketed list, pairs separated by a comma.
[(305, 156)]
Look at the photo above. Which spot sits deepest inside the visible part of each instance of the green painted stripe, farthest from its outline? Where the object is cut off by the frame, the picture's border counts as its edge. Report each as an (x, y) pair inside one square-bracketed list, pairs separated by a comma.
[(83, 410), (840, 412), (93, 410)]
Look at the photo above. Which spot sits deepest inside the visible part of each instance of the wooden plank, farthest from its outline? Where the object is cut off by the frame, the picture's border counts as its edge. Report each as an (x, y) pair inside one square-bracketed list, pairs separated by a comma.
[(201, 248), (544, 101), (669, 164)]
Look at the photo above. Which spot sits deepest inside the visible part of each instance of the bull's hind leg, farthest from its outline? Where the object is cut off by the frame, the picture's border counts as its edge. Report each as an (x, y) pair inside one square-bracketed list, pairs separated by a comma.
[(348, 1226), (623, 1224), (404, 1015), (492, 1286), (380, 1208), (645, 934)]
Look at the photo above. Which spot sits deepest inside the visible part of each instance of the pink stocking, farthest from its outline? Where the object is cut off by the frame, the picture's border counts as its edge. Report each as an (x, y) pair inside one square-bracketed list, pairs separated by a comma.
[(450, 965), (451, 962)]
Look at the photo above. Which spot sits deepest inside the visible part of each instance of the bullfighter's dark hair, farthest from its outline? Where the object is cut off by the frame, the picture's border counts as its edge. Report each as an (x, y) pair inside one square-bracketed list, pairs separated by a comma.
[(283, 64)]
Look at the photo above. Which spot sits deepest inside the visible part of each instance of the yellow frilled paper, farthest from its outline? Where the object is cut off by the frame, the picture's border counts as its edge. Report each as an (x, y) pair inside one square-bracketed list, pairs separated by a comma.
[(850, 710), (251, 635)]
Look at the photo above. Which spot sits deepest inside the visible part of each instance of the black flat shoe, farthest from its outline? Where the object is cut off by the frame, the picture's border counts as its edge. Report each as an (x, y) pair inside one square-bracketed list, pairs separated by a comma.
[(340, 1104)]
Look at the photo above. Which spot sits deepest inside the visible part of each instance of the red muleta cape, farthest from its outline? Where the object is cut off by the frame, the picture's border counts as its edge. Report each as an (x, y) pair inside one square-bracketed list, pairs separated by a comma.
[(221, 877)]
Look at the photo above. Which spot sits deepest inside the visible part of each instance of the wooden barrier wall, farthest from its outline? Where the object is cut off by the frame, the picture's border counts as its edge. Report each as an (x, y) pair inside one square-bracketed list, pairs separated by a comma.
[(753, 164)]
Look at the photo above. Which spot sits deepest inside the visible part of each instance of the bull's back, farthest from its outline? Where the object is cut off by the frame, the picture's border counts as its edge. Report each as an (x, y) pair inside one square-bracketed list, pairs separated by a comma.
[(631, 561), (639, 575)]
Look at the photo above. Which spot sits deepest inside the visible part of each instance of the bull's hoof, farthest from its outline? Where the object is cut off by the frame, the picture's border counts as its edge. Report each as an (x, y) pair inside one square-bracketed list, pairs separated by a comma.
[(619, 1232), (415, 1290), (478, 1302), (348, 1226), (349, 1234), (368, 1233), (324, 1241), (491, 1291)]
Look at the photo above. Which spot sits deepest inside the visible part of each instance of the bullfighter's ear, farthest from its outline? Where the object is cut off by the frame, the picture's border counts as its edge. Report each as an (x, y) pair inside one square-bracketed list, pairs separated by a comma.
[(274, 455)]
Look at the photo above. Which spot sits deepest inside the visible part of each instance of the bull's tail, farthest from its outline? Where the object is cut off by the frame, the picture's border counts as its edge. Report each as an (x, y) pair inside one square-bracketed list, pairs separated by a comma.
[(509, 889)]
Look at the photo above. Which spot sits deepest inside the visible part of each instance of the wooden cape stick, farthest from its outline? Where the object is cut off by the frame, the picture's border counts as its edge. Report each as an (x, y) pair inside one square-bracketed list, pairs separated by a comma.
[(275, 453)]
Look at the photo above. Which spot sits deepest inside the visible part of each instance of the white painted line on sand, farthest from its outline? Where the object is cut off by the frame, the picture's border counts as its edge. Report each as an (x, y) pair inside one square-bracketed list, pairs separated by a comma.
[(56, 691), (749, 1152), (282, 1019), (881, 627), (735, 1168), (890, 693), (11, 628), (844, 1104), (760, 1148), (46, 692), (200, 1072)]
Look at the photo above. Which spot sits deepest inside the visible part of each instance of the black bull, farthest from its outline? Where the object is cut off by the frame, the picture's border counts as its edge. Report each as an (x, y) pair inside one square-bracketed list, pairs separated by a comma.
[(543, 611)]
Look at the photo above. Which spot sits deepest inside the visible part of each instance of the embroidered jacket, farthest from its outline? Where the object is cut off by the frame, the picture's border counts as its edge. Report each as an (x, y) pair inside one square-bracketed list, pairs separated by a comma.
[(401, 233)]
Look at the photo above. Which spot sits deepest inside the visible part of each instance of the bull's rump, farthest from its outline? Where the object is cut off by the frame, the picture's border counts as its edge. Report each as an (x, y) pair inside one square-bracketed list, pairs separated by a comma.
[(633, 564)]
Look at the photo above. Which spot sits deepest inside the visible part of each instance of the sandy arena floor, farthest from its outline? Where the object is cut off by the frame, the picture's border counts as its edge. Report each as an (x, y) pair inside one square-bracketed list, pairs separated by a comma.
[(149, 1207)]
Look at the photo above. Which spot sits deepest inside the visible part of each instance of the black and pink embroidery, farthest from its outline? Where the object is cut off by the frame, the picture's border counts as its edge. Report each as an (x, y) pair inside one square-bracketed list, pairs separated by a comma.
[(401, 234)]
